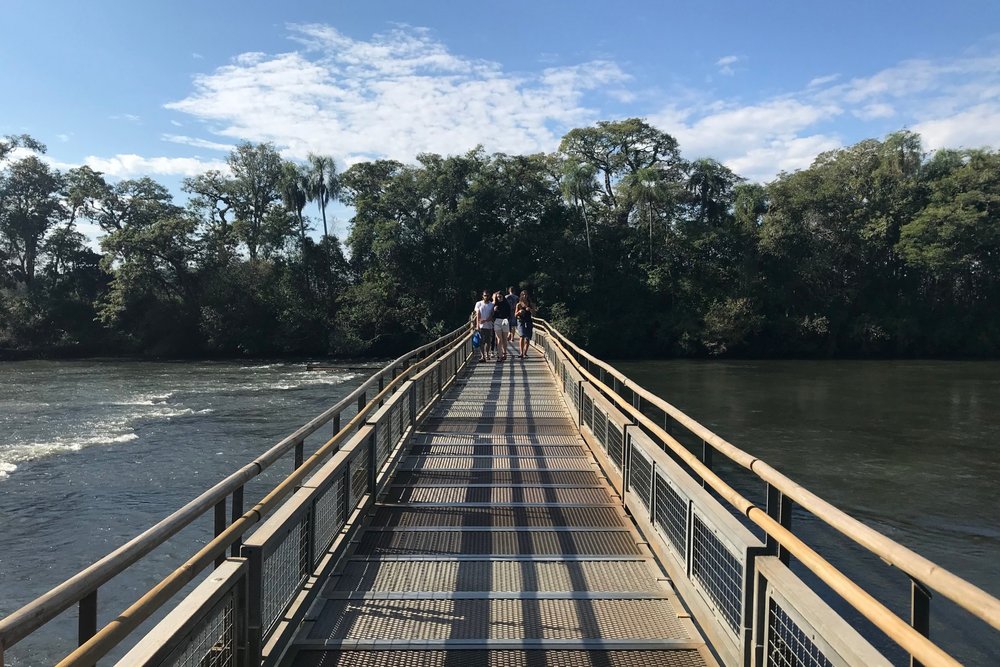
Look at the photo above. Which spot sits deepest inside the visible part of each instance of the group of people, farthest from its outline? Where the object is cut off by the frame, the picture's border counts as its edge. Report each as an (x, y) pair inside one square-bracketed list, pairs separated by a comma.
[(495, 319)]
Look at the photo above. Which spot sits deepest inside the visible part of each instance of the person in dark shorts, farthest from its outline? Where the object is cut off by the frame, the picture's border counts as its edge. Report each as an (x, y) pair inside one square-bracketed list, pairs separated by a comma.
[(523, 313), (512, 299), (502, 317)]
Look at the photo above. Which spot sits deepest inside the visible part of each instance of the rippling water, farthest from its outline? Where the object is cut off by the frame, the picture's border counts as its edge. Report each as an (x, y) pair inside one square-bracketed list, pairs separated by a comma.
[(91, 453), (912, 448)]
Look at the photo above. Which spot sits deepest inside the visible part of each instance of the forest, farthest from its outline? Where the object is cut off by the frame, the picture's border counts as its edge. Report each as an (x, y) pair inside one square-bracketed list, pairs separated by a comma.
[(880, 249)]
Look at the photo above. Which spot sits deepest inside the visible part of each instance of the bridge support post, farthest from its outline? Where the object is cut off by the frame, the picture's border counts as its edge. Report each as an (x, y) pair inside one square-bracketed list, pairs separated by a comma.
[(372, 460), (220, 525), (779, 508), (920, 613), (706, 457), (237, 512), (87, 623), (362, 400)]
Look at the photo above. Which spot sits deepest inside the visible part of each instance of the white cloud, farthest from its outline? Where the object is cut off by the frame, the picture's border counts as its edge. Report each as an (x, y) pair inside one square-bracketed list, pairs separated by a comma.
[(396, 95), (726, 63), (756, 141), (873, 111), (130, 165), (129, 117), (197, 143), (64, 137), (976, 127), (823, 80), (952, 102)]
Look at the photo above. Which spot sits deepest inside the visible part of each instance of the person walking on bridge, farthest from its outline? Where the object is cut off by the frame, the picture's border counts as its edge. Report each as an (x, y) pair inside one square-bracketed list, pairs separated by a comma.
[(484, 322), (512, 299), (502, 316), (524, 312)]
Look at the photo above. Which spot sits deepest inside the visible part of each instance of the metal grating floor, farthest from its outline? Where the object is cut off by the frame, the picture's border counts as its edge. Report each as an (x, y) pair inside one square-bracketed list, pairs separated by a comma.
[(498, 543), (501, 658)]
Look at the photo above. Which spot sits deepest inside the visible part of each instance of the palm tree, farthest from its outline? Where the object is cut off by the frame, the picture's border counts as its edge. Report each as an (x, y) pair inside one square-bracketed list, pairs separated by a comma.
[(647, 188), (294, 193), (711, 184), (578, 186), (323, 185)]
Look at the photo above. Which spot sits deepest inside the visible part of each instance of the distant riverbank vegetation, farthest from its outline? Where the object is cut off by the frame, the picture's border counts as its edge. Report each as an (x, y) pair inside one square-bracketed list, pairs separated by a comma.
[(879, 249)]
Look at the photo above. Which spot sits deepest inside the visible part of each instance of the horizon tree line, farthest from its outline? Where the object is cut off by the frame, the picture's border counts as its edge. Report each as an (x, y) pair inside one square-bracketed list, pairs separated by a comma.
[(875, 249)]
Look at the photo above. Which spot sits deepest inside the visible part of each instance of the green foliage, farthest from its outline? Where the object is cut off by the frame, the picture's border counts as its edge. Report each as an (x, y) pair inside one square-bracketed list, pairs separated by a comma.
[(875, 249)]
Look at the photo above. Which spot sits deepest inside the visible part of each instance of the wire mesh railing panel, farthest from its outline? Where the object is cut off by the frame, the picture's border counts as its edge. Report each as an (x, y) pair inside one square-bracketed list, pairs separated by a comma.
[(214, 642), (788, 645), (641, 478), (616, 449), (328, 518), (284, 570), (718, 572), (588, 412), (383, 435), (359, 478), (670, 515), (601, 427)]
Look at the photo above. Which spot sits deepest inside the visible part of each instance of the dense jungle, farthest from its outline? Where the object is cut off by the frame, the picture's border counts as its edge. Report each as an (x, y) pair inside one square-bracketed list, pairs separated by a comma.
[(876, 250)]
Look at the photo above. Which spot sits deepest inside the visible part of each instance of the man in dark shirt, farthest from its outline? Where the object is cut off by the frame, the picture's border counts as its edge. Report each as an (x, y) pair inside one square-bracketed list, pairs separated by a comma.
[(511, 298)]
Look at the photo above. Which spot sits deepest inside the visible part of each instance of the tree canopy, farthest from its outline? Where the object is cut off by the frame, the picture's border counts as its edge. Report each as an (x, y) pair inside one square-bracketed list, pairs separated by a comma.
[(633, 250)]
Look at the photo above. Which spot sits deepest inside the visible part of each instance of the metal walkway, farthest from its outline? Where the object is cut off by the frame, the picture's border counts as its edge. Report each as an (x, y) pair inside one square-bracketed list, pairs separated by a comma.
[(499, 542)]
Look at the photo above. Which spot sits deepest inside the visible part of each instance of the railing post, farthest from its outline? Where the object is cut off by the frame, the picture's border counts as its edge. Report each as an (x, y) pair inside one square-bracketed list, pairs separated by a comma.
[(87, 623), (299, 454), (920, 613), (706, 457), (362, 400), (220, 525), (779, 508), (413, 403), (255, 591), (237, 512), (372, 461), (336, 423)]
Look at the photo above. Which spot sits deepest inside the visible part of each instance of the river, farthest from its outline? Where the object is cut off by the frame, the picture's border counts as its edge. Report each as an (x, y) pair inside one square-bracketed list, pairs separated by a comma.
[(93, 452)]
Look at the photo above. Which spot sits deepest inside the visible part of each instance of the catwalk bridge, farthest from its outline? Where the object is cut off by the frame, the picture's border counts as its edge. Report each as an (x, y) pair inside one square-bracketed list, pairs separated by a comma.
[(538, 512)]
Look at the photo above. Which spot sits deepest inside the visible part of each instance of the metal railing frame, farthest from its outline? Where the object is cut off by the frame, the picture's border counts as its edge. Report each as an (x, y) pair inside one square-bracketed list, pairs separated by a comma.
[(630, 398), (82, 588)]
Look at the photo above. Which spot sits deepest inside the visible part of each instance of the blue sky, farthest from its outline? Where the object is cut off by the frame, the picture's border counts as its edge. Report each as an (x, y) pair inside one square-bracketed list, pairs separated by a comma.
[(165, 89)]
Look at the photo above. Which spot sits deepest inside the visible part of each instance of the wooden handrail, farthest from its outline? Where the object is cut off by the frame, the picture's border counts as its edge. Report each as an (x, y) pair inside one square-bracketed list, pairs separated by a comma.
[(917, 645), (968, 596), (22, 622)]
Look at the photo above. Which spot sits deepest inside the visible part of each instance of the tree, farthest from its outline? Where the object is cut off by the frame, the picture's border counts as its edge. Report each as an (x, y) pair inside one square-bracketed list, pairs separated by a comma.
[(711, 184), (254, 192), (294, 194), (578, 186), (30, 205), (648, 189), (12, 141), (321, 177), (617, 149)]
